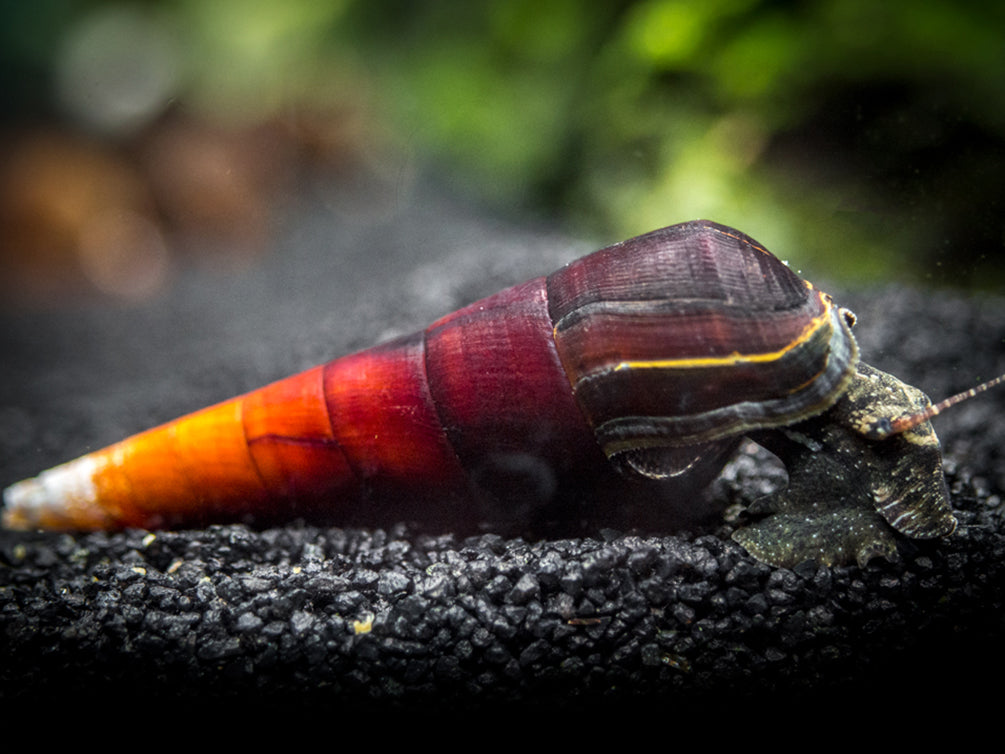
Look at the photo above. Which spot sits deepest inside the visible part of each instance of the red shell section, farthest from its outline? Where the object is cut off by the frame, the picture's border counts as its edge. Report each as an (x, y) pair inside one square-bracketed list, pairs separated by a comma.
[(694, 332), (384, 419), (500, 388)]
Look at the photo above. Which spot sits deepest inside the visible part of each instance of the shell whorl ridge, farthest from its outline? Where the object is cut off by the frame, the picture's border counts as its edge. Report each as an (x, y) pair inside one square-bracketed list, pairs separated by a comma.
[(694, 333)]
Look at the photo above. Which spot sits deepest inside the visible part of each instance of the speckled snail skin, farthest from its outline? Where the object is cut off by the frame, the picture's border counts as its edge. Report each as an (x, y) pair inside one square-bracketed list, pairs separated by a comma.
[(646, 361)]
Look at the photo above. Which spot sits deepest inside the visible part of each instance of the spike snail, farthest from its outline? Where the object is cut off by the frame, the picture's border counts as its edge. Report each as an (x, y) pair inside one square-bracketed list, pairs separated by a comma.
[(643, 364)]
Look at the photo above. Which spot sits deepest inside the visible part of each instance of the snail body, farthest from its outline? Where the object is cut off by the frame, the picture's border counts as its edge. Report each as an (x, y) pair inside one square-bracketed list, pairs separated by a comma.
[(646, 363)]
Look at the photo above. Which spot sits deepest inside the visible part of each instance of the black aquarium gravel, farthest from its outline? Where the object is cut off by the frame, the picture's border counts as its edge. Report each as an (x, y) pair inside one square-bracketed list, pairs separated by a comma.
[(362, 616)]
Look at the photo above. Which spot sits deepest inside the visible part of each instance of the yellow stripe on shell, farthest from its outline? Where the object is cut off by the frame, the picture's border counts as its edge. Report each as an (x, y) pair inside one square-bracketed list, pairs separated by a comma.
[(736, 357)]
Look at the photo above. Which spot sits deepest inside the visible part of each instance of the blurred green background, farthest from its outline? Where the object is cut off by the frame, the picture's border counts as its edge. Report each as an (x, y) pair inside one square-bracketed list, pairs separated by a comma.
[(859, 138)]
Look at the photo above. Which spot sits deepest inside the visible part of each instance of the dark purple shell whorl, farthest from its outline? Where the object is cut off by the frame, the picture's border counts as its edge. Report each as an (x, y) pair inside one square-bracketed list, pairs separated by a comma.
[(695, 333)]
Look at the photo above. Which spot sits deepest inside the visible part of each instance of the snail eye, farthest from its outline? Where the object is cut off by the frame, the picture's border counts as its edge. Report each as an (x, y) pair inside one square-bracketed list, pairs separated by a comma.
[(878, 429)]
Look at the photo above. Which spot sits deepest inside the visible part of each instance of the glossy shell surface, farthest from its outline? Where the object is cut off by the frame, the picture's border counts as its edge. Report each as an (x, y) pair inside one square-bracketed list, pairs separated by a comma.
[(695, 333)]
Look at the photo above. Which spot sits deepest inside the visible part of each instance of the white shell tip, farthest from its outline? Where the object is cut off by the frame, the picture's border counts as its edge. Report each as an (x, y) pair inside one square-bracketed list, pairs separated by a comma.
[(51, 496)]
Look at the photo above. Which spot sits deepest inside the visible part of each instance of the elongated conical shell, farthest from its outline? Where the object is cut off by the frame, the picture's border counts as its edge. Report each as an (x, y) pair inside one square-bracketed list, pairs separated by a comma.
[(667, 346)]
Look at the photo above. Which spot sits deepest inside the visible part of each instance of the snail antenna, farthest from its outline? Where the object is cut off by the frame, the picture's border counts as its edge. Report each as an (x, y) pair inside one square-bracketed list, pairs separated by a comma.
[(880, 429)]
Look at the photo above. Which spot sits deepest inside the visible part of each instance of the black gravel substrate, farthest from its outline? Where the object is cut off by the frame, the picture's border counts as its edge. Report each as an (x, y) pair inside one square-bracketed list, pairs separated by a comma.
[(357, 617)]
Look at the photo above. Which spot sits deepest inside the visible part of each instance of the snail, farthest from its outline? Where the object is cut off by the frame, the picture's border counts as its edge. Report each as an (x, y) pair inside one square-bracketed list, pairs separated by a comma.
[(646, 362)]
